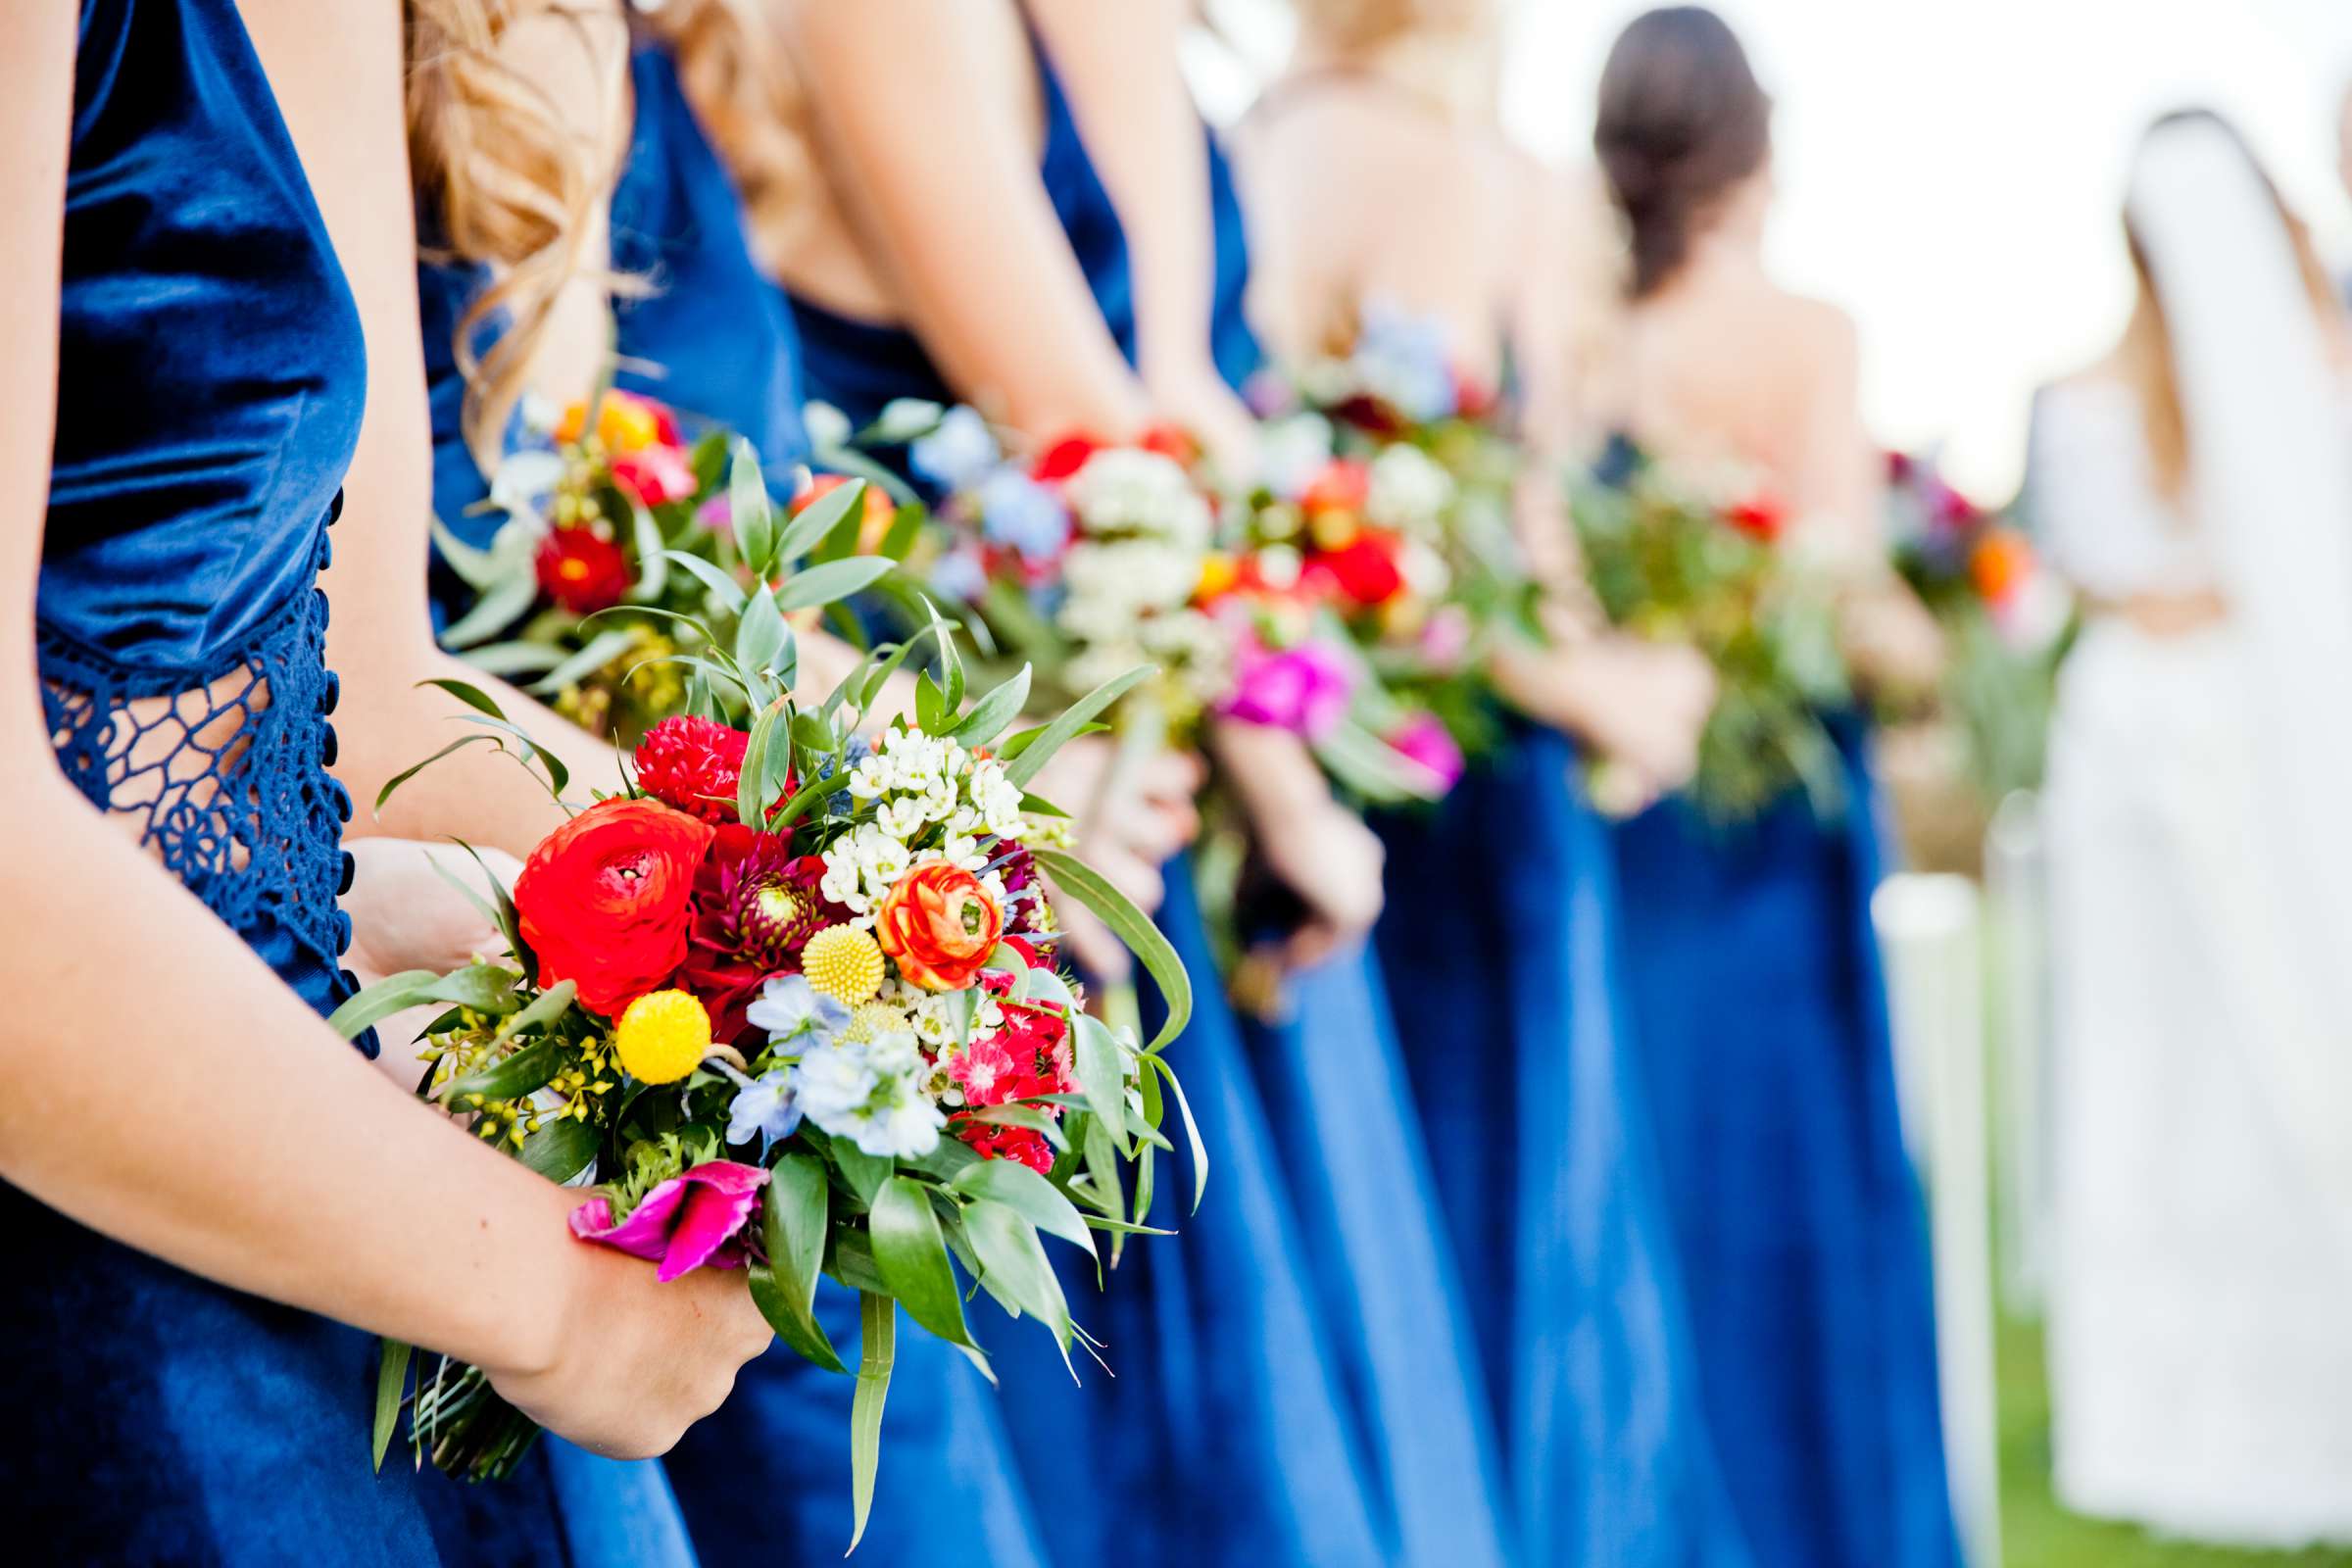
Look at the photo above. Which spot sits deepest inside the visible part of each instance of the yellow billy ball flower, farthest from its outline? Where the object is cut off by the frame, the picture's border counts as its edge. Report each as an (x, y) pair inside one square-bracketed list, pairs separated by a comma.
[(662, 1036), (872, 1019), (843, 962)]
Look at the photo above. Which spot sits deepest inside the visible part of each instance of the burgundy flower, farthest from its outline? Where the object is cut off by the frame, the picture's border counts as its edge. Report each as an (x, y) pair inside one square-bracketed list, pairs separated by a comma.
[(582, 571), (694, 1218), (692, 764), (754, 907)]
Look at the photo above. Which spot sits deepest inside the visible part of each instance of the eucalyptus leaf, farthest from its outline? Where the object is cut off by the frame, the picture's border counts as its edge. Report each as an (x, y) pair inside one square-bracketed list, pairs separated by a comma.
[(749, 510)]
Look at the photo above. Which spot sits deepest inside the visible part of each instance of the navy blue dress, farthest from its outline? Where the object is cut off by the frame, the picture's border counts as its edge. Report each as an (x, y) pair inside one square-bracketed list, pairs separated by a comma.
[(1759, 1011), (211, 379), (1498, 941), (1289, 1382)]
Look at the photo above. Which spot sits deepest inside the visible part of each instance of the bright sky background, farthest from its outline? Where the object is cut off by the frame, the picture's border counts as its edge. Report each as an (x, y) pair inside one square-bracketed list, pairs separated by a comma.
[(1951, 170)]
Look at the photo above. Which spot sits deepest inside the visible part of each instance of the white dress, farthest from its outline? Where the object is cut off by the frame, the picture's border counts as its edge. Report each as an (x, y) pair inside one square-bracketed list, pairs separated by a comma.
[(2200, 1326)]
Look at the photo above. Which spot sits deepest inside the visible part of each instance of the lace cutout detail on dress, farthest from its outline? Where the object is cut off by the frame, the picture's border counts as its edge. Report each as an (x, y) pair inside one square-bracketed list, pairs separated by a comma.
[(224, 768)]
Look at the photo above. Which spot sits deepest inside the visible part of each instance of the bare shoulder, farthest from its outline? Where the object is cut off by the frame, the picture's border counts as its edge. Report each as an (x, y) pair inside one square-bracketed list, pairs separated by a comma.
[(575, 55), (1818, 335)]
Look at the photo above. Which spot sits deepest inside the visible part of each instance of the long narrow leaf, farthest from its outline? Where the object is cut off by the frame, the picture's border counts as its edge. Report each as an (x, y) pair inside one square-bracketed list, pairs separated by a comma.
[(391, 1379), (1024, 768), (818, 518), (913, 1258), (601, 650), (1090, 889), (835, 579), (1017, 1187), (793, 1219), (724, 588), (878, 1325)]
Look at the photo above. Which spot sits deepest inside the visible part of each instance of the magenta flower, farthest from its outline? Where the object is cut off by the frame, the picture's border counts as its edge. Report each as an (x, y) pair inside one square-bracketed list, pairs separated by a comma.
[(695, 1218), (1445, 639), (1426, 740), (1302, 689)]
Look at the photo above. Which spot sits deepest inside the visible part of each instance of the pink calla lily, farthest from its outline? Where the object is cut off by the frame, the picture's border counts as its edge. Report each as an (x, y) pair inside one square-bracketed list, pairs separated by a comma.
[(694, 1218)]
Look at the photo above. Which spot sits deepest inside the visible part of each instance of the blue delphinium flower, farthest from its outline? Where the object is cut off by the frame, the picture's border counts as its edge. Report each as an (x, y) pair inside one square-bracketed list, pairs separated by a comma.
[(764, 1106), (956, 454), (795, 1013), (1017, 511), (958, 575)]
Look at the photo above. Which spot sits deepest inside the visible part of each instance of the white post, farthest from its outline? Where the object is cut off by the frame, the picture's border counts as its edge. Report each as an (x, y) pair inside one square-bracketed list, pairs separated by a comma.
[(2017, 926), (1929, 929)]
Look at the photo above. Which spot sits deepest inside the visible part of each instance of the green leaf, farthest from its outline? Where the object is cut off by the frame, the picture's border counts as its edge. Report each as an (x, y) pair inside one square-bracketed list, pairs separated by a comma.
[(913, 1258), (393, 994), (545, 1008), (1102, 1074), (930, 704), (526, 1071), (835, 579), (1014, 745), (818, 518), (486, 987), (1017, 1187), (391, 1379), (467, 692), (561, 1149), (749, 509), (751, 799), (864, 1173), (760, 635), (1037, 752), (906, 527), (723, 587), (1087, 887), (652, 561), (479, 568), (508, 660), (878, 1325), (493, 612), (407, 773), (600, 651), (1191, 1129), (991, 713), (793, 1219), (1013, 1263)]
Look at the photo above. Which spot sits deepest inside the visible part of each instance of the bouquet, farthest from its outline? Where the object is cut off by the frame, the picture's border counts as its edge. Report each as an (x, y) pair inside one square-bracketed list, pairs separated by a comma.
[(2008, 618), (1673, 560), (615, 528), (1386, 494), (791, 1005)]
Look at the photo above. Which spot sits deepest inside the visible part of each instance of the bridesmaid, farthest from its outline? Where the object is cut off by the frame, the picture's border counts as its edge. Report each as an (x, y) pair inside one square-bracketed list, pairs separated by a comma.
[(1554, 1209), (969, 242), (1756, 995), (182, 1384), (696, 326)]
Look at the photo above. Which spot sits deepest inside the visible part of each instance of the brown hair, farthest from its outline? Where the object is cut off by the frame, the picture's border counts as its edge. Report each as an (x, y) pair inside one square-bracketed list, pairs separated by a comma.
[(2144, 358), (742, 91), (1681, 122), (500, 183)]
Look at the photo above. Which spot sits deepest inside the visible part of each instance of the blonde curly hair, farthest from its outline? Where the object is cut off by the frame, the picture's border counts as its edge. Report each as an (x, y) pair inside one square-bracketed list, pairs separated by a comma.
[(739, 82)]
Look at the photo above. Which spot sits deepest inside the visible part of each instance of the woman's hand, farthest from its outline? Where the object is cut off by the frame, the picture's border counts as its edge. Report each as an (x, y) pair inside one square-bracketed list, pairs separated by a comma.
[(629, 1363), (1199, 404), (406, 915), (1641, 705), (1317, 849), (1133, 812)]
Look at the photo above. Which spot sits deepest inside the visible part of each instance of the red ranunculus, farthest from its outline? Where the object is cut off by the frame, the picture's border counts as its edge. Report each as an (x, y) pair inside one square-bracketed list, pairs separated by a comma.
[(1365, 570), (940, 924), (603, 900), (1761, 518), (755, 907), (657, 476), (582, 571), (1063, 457), (694, 764)]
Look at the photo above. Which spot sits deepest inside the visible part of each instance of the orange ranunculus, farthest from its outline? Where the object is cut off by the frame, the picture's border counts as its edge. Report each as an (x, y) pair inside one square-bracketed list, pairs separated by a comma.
[(624, 423), (1999, 565), (939, 925)]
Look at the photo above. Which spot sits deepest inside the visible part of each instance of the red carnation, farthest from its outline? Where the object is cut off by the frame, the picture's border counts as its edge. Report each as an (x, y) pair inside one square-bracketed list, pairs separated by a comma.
[(1063, 457), (990, 1141), (657, 476), (603, 900), (755, 905), (582, 571), (1365, 570), (694, 764)]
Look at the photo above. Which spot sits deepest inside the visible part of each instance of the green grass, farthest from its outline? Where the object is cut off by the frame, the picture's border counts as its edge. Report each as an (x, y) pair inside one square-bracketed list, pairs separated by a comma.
[(2037, 1533)]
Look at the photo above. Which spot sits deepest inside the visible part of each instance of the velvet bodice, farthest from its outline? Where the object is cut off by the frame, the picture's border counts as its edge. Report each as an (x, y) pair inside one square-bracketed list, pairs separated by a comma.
[(210, 380), (858, 365), (697, 328), (211, 375)]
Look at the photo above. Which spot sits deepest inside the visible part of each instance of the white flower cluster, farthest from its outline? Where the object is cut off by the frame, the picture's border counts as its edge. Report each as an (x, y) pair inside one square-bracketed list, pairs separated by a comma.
[(1128, 491), (1410, 491), (871, 1091), (935, 801)]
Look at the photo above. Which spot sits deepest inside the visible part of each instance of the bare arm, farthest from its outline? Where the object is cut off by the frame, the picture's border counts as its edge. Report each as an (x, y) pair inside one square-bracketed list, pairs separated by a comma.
[(241, 1140), (934, 167)]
